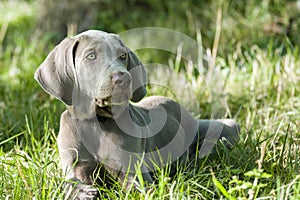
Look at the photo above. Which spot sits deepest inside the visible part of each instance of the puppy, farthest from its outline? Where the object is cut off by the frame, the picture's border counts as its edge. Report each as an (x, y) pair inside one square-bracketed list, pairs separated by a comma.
[(98, 78)]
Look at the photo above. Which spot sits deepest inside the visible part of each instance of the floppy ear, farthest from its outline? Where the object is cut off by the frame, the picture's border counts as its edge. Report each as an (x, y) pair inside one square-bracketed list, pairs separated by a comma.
[(139, 77), (56, 73)]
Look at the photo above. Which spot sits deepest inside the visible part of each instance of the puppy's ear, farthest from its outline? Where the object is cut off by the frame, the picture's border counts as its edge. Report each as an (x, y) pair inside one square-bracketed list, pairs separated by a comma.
[(56, 73), (139, 77)]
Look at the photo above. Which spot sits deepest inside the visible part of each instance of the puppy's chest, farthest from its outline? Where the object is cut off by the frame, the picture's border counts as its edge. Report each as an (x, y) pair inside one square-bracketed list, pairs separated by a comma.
[(122, 140), (117, 151), (110, 145), (108, 137)]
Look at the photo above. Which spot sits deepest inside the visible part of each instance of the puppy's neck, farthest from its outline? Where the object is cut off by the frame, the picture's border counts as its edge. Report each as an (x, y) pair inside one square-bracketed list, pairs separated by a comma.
[(102, 118)]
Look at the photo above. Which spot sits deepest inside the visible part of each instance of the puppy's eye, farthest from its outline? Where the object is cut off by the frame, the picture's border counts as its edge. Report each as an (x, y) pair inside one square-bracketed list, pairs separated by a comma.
[(91, 56), (123, 56)]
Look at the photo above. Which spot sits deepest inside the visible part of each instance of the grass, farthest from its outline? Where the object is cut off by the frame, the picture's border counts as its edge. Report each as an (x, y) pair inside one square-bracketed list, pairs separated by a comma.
[(262, 91)]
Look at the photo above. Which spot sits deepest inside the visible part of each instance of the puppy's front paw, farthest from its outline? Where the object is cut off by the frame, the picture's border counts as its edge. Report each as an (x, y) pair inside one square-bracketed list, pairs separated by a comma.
[(81, 191)]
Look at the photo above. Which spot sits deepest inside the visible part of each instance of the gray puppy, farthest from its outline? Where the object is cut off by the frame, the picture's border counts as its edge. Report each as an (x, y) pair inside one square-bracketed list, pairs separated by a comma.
[(98, 78)]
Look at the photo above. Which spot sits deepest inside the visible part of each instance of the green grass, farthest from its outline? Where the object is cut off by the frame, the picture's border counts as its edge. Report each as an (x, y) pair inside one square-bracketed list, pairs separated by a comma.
[(262, 87)]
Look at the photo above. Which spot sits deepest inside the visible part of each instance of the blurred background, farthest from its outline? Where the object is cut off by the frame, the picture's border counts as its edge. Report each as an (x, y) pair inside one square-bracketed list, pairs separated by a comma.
[(251, 22), (246, 22)]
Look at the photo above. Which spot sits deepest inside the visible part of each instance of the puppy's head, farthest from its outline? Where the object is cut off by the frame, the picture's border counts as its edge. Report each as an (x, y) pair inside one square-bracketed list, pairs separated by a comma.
[(93, 72)]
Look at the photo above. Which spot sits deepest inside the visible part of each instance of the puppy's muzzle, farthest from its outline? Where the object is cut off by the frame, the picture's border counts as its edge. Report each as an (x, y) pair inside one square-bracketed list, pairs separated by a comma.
[(120, 80), (121, 87)]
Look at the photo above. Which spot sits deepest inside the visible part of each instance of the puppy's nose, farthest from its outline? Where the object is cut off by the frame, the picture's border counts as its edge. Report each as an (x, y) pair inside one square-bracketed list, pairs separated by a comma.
[(121, 79)]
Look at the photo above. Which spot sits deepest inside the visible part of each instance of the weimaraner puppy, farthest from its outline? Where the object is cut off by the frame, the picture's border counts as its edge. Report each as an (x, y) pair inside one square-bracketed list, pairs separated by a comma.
[(103, 132)]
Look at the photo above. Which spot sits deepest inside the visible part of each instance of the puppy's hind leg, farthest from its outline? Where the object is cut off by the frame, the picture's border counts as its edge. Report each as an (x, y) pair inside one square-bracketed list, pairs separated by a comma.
[(213, 132)]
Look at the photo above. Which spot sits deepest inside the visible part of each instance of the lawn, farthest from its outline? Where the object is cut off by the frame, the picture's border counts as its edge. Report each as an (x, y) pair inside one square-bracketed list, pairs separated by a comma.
[(259, 77)]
